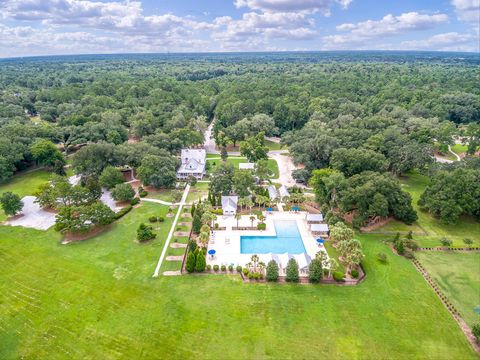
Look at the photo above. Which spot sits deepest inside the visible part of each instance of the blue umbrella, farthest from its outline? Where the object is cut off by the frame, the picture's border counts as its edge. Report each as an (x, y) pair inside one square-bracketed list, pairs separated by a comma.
[(320, 241), (296, 208), (211, 252), (269, 209)]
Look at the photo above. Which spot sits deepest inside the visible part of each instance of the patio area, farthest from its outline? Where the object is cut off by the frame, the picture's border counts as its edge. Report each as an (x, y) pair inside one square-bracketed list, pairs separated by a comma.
[(228, 243)]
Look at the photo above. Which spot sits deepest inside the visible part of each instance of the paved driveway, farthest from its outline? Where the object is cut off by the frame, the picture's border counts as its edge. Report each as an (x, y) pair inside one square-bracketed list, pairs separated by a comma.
[(33, 216)]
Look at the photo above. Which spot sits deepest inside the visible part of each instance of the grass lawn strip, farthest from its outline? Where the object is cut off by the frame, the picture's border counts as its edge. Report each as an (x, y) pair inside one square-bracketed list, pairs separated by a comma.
[(172, 229)]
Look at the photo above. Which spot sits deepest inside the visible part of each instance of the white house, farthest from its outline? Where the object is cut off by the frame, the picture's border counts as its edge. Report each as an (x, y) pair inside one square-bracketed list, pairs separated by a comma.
[(229, 205), (193, 163)]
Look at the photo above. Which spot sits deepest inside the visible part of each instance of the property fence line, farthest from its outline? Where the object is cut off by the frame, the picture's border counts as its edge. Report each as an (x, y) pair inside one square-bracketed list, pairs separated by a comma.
[(447, 249), (450, 307)]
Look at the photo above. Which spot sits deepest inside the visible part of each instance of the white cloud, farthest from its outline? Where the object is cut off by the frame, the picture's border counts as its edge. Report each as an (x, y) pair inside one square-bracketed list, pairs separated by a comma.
[(451, 41), (323, 6), (361, 34), (468, 11), (254, 30)]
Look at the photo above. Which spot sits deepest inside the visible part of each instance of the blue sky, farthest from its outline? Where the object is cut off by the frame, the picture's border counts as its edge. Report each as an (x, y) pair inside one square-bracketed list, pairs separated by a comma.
[(45, 27)]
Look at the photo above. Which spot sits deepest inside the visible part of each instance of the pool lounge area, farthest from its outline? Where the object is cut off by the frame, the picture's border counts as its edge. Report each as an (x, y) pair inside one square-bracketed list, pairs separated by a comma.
[(286, 236)]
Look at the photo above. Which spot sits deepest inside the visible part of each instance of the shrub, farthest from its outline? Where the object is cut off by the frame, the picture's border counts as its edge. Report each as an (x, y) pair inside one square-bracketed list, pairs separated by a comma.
[(191, 261), (230, 267), (153, 219), (245, 271), (217, 226), (338, 275), (382, 257), (215, 267), (398, 245), (251, 275), (123, 192), (160, 219), (292, 271), (256, 276), (261, 226), (123, 212), (110, 177), (201, 262), (315, 271), (239, 268), (272, 271), (145, 233), (143, 193), (135, 201), (446, 242), (192, 246), (468, 242), (223, 268), (354, 273), (476, 331), (209, 267), (412, 245), (409, 254)]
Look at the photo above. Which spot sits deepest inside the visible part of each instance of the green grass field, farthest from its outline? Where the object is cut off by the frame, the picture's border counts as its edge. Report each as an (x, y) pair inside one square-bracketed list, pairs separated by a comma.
[(459, 148), (24, 184), (458, 276), (97, 299), (236, 160), (435, 229)]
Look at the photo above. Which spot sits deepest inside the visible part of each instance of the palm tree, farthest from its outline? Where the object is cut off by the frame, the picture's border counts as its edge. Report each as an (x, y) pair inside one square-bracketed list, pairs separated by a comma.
[(255, 259), (261, 218), (261, 200), (238, 217), (333, 265), (252, 219), (242, 202), (249, 204)]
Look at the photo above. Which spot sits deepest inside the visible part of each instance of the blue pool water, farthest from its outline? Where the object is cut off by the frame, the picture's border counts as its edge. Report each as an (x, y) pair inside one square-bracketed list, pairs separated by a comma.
[(288, 239)]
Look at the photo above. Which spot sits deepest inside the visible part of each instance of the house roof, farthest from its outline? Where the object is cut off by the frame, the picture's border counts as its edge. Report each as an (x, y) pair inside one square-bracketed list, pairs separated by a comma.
[(193, 161), (272, 192), (314, 217), (229, 203), (246, 166), (283, 191), (319, 227)]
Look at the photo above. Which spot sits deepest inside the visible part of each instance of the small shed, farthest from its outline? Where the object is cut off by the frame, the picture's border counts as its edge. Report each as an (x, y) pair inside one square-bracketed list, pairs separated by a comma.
[(272, 192), (229, 205), (321, 229), (314, 218)]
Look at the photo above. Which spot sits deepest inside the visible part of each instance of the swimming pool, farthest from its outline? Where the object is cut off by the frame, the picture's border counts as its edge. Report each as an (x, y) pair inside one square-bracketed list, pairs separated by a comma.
[(288, 239)]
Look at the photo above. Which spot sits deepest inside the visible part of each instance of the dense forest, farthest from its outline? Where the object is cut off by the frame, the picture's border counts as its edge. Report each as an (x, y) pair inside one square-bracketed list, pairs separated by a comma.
[(353, 113)]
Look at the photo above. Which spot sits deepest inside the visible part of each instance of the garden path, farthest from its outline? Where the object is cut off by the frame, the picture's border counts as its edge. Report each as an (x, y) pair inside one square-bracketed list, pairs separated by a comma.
[(172, 229)]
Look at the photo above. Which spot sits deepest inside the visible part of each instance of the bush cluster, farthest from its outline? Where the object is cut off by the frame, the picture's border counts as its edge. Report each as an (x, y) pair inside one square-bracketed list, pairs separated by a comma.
[(135, 201), (145, 233), (123, 212), (338, 276)]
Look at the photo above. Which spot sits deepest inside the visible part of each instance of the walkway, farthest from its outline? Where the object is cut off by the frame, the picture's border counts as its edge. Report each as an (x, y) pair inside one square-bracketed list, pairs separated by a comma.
[(172, 229)]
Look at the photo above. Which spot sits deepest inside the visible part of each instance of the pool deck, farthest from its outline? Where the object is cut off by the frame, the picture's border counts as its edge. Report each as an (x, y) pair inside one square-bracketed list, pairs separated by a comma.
[(226, 243)]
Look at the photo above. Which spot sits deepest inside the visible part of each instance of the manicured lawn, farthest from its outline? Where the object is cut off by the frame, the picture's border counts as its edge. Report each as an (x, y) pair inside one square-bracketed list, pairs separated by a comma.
[(97, 299), (24, 184), (161, 194), (273, 145), (459, 148), (197, 192), (458, 275), (467, 227), (235, 161)]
